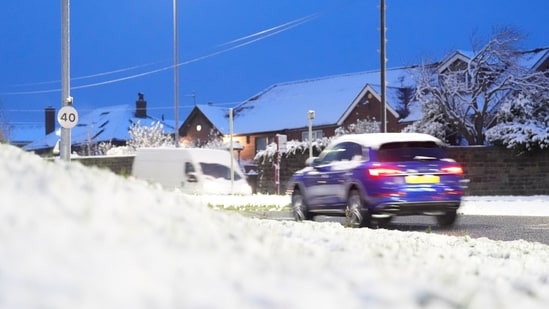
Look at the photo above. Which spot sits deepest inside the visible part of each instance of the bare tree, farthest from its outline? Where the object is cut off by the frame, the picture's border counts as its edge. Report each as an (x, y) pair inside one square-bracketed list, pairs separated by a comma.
[(468, 92)]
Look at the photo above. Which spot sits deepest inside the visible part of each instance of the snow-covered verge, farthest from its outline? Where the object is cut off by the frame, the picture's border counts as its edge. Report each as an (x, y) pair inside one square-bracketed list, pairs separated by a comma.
[(78, 237), (534, 206)]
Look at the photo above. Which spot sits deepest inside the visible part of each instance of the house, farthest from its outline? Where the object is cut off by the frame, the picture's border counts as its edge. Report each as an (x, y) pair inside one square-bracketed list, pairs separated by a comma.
[(103, 125), (337, 101)]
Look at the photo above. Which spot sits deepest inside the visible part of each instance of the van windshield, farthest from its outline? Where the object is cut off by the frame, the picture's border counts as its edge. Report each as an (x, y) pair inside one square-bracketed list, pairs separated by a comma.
[(217, 170)]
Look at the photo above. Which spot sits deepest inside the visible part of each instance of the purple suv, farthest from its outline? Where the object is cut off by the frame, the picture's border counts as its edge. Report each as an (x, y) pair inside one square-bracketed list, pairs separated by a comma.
[(376, 176)]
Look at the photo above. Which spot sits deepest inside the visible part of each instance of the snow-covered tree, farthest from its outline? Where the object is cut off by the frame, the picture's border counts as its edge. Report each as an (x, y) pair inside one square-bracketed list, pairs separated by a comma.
[(468, 92), (433, 122), (405, 97), (148, 136), (523, 123), (361, 126)]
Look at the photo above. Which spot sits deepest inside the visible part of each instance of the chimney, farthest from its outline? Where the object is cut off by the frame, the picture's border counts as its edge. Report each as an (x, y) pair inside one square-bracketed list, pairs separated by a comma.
[(140, 106), (50, 119)]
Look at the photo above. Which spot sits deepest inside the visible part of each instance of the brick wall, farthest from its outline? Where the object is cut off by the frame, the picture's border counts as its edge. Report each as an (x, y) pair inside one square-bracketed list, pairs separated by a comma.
[(491, 171), (499, 171)]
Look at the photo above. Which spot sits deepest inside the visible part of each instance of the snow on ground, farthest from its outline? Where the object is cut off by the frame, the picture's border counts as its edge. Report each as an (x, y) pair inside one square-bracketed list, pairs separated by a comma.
[(78, 237)]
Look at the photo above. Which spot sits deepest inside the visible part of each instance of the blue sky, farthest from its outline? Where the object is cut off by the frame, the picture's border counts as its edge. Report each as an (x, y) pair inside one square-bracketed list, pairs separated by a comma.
[(228, 50)]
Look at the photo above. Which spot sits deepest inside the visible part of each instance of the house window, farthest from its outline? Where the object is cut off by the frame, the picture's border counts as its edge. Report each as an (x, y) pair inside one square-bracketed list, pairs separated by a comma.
[(317, 134), (262, 142)]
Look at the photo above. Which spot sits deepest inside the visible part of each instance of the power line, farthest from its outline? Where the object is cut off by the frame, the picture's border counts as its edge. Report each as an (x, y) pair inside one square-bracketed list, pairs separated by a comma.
[(246, 40)]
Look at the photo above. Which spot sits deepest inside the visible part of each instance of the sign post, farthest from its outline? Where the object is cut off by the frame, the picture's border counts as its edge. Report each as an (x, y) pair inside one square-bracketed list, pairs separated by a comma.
[(310, 117), (65, 143), (281, 146)]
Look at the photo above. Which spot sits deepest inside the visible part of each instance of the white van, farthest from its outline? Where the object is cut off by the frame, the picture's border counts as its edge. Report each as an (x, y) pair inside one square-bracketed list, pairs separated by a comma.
[(191, 170)]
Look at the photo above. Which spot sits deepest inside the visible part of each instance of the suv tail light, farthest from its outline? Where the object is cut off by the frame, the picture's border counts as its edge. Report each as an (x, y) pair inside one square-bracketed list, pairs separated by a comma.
[(383, 171), (453, 169)]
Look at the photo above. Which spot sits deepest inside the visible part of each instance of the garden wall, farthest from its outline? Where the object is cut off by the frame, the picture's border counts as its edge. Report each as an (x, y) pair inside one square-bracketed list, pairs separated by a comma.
[(491, 171), (121, 165)]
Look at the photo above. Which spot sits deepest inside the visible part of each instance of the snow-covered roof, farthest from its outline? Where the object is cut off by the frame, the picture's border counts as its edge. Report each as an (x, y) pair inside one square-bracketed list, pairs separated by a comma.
[(103, 124), (459, 55), (217, 115), (286, 105), (375, 140), (532, 59), (19, 134)]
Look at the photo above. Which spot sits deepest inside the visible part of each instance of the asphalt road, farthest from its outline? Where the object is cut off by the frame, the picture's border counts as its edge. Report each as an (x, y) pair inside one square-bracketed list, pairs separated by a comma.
[(534, 229)]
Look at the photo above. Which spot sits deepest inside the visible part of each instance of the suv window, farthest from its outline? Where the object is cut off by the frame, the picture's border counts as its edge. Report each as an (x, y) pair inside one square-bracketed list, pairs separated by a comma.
[(340, 152), (407, 151)]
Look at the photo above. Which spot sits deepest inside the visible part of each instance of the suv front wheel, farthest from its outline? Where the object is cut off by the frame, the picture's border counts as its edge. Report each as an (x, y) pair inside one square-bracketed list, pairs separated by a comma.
[(299, 208), (354, 213)]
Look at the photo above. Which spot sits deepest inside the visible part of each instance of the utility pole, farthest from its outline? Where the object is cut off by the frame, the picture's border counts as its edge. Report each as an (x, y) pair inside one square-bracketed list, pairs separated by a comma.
[(383, 63), (175, 74)]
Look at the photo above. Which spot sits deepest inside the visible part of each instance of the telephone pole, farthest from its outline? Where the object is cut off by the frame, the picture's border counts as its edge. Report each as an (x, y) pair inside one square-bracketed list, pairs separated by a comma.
[(383, 63)]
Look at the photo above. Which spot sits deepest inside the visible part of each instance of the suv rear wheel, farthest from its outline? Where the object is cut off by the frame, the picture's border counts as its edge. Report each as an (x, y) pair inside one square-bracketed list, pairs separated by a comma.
[(354, 214), (447, 219), (299, 209)]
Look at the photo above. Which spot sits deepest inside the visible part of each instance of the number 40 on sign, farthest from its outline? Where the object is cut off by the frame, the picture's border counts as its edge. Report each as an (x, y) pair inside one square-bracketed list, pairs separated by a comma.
[(67, 117)]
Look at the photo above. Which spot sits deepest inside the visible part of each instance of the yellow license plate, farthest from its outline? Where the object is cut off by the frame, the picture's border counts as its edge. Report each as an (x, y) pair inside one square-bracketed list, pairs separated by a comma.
[(422, 179)]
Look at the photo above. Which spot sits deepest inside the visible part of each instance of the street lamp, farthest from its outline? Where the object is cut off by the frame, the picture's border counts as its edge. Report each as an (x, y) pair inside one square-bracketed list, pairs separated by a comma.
[(311, 116)]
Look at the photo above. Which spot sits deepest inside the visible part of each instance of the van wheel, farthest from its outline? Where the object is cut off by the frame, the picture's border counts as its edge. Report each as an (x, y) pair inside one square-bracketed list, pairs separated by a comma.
[(299, 209), (354, 214)]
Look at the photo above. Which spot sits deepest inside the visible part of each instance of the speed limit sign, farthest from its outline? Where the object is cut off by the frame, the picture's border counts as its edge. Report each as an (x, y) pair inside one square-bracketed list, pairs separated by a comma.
[(67, 117)]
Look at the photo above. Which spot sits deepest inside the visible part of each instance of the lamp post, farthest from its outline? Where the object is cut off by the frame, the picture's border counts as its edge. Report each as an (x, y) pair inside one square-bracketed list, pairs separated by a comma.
[(311, 116)]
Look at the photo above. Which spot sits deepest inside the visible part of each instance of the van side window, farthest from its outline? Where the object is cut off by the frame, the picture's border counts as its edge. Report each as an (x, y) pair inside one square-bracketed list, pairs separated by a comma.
[(189, 168)]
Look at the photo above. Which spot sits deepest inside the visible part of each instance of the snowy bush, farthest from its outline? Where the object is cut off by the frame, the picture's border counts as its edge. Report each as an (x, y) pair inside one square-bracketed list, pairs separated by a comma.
[(148, 136), (294, 146), (523, 124)]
